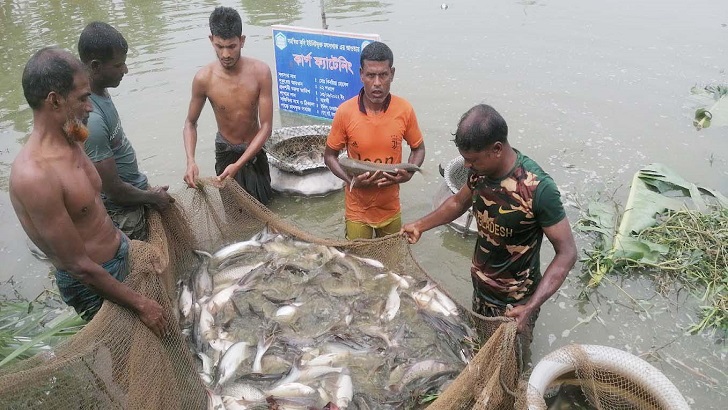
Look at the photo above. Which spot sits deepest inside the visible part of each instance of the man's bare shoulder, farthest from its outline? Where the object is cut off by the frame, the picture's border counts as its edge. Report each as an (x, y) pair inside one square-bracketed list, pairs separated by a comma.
[(262, 69), (203, 75), (29, 176)]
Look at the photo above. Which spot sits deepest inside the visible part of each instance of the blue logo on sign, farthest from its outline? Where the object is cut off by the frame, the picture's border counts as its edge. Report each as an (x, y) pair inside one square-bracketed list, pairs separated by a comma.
[(281, 41), (365, 43)]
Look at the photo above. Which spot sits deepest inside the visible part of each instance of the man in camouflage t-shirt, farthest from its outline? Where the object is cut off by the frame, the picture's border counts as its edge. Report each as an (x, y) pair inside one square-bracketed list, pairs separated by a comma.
[(514, 203)]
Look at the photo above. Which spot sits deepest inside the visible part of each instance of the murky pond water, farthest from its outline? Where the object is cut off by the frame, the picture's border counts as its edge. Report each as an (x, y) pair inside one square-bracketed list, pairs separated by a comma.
[(591, 90)]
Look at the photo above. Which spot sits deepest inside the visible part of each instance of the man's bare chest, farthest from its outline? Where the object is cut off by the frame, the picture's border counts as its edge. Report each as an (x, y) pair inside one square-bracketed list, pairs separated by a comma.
[(81, 189)]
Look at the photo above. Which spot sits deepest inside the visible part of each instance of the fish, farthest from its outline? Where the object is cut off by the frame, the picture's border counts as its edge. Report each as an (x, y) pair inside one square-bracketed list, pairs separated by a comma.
[(444, 300), (369, 261), (231, 360), (231, 251), (422, 368), (222, 297), (214, 401), (233, 274), (459, 338), (328, 359), (243, 391), (203, 282), (392, 306), (342, 389), (185, 301), (290, 390), (376, 331), (205, 329), (264, 344), (432, 298), (288, 312), (232, 403), (327, 320), (355, 167), (206, 363)]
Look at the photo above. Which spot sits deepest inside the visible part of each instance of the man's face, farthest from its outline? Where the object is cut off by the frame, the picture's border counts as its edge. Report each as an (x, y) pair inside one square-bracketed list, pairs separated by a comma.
[(377, 77), (111, 72), (227, 49), (485, 162), (77, 107)]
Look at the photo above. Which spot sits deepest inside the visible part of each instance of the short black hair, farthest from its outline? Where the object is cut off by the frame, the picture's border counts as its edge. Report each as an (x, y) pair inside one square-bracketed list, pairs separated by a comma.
[(49, 69), (225, 23), (376, 51), (99, 41), (480, 127)]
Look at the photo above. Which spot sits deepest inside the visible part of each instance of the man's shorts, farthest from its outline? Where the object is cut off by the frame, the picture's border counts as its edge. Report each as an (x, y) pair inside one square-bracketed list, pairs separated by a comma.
[(361, 230), (131, 221), (79, 296), (523, 340)]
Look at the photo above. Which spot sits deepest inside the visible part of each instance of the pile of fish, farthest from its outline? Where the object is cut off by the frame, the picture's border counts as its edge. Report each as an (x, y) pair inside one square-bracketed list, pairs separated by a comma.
[(282, 324)]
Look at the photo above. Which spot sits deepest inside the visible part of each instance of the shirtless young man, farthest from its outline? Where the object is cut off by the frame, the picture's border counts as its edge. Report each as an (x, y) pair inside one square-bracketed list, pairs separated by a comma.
[(55, 191), (240, 93)]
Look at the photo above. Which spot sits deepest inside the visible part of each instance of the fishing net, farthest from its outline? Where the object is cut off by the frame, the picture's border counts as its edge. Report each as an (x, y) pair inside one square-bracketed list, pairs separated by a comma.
[(455, 174), (116, 362), (298, 150), (609, 378)]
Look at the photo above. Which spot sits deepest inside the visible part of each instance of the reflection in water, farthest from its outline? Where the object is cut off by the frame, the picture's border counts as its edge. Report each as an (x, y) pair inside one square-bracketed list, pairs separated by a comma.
[(343, 9), (28, 25), (266, 13)]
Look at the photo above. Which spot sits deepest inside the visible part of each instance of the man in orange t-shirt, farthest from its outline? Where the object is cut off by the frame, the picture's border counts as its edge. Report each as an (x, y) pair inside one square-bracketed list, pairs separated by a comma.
[(372, 126)]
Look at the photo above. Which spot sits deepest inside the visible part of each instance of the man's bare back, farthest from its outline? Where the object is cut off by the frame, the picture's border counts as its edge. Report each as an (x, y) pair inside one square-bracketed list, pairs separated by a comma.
[(234, 96)]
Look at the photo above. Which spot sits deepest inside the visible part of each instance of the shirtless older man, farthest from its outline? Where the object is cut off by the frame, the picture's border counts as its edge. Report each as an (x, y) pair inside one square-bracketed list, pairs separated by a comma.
[(55, 191), (240, 93)]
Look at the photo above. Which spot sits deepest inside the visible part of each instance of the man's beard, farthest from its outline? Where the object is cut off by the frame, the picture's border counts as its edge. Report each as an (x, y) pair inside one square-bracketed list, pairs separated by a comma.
[(75, 131)]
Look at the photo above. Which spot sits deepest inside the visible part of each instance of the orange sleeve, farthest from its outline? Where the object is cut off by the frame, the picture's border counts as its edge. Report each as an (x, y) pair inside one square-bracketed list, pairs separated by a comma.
[(412, 133), (337, 136)]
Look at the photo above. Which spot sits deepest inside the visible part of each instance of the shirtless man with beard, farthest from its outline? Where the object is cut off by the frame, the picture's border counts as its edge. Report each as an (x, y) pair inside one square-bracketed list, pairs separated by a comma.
[(55, 191)]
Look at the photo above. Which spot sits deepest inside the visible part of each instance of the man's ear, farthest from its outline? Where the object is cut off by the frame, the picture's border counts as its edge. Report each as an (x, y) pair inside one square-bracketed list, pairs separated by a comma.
[(497, 147), (392, 73), (242, 41), (94, 65), (54, 100)]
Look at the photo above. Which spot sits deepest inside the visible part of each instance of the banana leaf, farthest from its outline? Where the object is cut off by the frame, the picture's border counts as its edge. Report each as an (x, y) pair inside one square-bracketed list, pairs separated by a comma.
[(655, 189)]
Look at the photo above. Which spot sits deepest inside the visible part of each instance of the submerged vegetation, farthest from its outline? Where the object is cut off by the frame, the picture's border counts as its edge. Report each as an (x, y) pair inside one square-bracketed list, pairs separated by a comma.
[(670, 230), (697, 254), (31, 327)]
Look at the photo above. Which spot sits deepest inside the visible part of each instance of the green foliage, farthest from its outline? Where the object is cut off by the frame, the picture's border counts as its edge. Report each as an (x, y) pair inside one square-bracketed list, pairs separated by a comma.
[(680, 236), (31, 327)]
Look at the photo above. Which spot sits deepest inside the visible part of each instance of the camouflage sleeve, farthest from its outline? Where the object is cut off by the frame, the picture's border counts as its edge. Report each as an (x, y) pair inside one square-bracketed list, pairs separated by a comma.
[(98, 144), (547, 206), (472, 180)]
